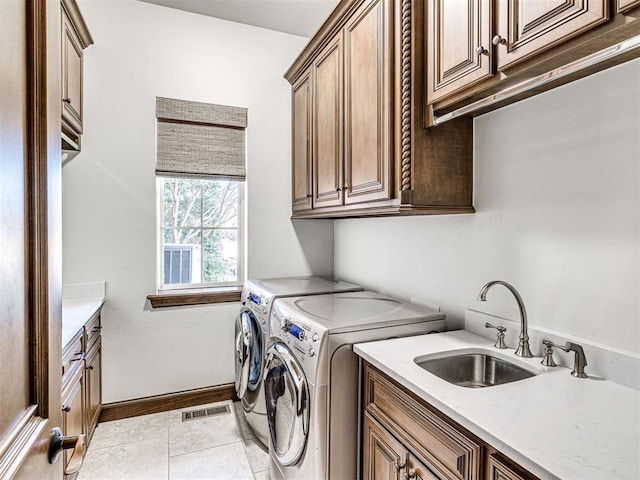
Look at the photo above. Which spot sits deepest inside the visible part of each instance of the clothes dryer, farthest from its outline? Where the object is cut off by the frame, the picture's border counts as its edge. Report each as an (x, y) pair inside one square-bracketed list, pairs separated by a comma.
[(312, 377), (252, 333)]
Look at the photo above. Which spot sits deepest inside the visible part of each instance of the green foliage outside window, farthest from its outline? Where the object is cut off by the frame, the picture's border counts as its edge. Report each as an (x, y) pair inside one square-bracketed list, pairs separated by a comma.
[(203, 215)]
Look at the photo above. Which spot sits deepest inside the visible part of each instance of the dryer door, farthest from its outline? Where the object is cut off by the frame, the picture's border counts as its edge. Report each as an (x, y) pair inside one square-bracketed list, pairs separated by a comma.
[(249, 354), (287, 397)]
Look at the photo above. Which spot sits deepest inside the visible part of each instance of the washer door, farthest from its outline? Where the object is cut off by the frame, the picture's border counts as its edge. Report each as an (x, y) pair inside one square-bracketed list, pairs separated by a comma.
[(287, 397), (249, 354)]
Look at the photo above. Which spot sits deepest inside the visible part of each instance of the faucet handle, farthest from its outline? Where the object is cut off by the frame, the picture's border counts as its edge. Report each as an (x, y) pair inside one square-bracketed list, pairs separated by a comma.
[(500, 340), (547, 359)]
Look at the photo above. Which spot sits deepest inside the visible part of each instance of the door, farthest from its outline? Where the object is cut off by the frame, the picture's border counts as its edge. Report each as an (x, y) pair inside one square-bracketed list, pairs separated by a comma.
[(368, 103), (384, 458), (327, 126), (459, 50), (301, 143), (527, 27), (287, 397), (30, 280), (249, 357)]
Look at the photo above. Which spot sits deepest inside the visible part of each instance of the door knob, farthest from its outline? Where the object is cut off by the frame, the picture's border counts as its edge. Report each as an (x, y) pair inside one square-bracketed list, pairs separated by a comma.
[(481, 50), (60, 442), (499, 40)]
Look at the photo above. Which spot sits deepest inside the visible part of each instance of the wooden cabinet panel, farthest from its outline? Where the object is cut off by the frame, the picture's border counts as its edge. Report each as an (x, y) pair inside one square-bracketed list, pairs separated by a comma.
[(73, 419), (501, 469), (626, 5), (384, 457), (459, 45), (368, 122), (93, 386), (527, 27), (397, 443), (71, 75), (452, 453), (327, 109), (301, 148)]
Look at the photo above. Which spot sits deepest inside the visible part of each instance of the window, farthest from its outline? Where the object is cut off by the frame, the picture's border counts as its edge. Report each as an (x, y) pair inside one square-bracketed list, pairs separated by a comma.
[(200, 170), (200, 235)]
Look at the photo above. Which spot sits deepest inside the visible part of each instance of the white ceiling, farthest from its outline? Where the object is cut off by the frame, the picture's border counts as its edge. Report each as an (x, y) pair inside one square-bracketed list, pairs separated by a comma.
[(297, 17)]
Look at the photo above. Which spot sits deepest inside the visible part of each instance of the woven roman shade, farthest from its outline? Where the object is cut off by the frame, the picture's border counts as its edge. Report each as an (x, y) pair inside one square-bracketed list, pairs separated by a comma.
[(197, 139)]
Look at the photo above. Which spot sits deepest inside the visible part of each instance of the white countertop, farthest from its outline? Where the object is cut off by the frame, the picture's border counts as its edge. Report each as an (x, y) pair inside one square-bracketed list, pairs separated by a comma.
[(555, 425), (80, 301)]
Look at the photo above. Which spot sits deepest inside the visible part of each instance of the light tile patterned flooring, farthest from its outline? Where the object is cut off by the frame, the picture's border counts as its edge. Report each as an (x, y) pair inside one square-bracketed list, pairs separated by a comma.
[(163, 447)]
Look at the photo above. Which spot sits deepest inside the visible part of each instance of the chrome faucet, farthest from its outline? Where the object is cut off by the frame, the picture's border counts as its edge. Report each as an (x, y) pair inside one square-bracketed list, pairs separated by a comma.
[(523, 349)]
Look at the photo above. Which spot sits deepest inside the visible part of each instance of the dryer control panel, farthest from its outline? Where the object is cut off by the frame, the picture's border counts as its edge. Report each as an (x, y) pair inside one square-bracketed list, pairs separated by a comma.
[(258, 303)]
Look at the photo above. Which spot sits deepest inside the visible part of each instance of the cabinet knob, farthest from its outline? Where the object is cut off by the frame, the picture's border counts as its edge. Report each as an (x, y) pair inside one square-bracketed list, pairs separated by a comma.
[(481, 50), (89, 367), (410, 475), (499, 40), (66, 100), (66, 408)]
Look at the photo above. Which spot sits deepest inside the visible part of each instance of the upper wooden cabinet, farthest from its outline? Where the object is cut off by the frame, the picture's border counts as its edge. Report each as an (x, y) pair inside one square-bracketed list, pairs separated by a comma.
[(528, 27), (459, 38), (364, 128), (328, 154), (368, 114), (483, 54), (301, 143), (75, 38)]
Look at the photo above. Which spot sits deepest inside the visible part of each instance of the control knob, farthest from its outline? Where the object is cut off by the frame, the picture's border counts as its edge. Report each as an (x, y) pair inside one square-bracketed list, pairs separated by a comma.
[(312, 352)]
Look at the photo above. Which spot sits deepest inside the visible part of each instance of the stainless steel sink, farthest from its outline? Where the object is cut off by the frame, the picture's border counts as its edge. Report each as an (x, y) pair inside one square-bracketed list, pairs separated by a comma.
[(474, 370)]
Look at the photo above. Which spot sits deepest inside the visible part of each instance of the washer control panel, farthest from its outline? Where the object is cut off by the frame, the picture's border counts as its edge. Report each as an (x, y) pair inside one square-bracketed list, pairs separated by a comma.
[(258, 304)]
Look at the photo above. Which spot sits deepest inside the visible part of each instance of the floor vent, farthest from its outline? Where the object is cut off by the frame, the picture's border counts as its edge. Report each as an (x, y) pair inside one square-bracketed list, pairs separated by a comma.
[(205, 412)]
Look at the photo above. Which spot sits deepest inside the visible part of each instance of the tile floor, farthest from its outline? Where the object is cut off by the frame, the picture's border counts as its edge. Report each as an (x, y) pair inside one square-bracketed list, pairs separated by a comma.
[(163, 447)]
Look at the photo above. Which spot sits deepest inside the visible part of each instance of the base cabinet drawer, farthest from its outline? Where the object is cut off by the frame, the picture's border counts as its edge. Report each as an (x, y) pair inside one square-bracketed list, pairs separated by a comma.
[(404, 437)]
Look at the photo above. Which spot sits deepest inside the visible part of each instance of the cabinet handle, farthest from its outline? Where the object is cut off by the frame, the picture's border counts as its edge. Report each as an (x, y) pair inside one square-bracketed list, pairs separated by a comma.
[(67, 100), (481, 50), (78, 356), (96, 329), (89, 367), (410, 474), (499, 40), (308, 195), (66, 408)]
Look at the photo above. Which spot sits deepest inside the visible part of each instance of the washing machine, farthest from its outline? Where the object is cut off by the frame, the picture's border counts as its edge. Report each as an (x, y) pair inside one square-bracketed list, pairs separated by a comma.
[(252, 333), (312, 375)]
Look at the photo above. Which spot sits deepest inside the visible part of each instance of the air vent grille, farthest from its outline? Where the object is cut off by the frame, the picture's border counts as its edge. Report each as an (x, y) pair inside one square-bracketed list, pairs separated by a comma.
[(204, 412)]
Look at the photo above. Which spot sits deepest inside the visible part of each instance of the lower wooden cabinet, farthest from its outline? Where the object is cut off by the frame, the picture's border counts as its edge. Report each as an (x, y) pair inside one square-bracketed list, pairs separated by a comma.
[(387, 458), (73, 416), (82, 384), (406, 438), (93, 383)]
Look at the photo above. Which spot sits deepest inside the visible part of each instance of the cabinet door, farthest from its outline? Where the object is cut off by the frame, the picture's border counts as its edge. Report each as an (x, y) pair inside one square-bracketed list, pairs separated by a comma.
[(384, 457), (368, 103), (500, 469), (626, 5), (73, 420), (301, 148), (526, 27), (459, 50), (93, 384), (71, 75), (418, 470), (327, 126)]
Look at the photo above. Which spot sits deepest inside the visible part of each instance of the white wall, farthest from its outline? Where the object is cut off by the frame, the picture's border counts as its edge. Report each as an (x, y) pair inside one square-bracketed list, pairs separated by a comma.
[(556, 193), (142, 51)]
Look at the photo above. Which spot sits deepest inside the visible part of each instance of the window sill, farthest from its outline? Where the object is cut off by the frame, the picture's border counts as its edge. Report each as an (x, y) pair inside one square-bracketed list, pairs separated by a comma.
[(194, 296)]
